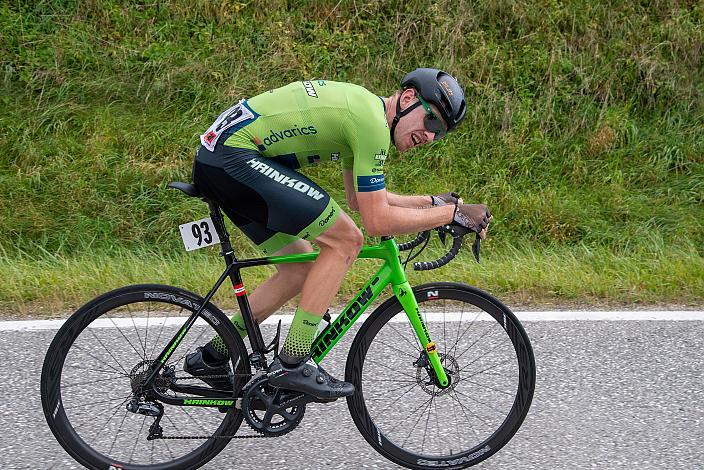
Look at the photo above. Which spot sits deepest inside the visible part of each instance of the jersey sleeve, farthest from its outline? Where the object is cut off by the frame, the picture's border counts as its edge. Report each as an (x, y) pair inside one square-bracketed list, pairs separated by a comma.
[(368, 136)]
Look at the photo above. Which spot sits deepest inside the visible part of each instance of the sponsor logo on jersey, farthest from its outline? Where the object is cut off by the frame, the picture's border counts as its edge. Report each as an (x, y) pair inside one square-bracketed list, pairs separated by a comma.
[(335, 156), (280, 178), (380, 158), (327, 218), (295, 131), (310, 89), (370, 183)]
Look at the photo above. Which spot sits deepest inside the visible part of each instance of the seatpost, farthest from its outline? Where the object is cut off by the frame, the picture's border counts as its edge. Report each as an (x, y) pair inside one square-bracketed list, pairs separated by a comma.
[(255, 334)]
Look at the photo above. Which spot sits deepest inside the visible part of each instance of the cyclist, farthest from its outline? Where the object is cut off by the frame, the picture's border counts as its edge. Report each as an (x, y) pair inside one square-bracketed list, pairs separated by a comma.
[(248, 164)]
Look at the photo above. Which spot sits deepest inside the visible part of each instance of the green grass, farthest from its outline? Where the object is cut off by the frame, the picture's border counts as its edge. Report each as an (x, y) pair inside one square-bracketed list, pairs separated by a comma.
[(54, 284), (585, 134)]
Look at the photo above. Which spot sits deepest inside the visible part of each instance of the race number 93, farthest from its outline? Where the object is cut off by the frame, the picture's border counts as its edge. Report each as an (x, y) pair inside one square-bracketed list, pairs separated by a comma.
[(198, 234)]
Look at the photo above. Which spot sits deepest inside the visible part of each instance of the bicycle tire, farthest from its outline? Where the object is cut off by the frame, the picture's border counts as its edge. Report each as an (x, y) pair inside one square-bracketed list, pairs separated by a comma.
[(374, 428), (166, 297)]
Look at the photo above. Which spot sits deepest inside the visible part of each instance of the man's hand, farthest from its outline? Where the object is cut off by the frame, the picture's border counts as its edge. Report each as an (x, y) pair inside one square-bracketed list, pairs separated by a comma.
[(475, 217), (446, 198)]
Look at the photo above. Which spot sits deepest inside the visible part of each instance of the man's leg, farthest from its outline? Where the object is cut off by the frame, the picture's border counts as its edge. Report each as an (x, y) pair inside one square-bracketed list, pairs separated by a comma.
[(270, 295), (339, 247)]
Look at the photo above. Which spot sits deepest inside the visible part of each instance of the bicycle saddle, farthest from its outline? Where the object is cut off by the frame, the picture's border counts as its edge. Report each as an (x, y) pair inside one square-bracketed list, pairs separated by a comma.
[(189, 189)]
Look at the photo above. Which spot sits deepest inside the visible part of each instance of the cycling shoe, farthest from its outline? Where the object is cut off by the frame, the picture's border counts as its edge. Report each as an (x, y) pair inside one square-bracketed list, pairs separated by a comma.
[(308, 378), (196, 365)]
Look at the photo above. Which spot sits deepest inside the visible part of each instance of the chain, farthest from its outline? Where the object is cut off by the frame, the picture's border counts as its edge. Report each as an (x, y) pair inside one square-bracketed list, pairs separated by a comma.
[(210, 376), (182, 438)]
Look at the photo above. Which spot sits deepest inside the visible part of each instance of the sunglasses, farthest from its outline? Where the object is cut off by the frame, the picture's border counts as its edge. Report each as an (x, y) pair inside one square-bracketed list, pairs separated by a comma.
[(432, 122)]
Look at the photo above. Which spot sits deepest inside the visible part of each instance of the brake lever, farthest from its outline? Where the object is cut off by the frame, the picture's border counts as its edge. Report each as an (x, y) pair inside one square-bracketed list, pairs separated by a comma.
[(476, 246), (443, 236)]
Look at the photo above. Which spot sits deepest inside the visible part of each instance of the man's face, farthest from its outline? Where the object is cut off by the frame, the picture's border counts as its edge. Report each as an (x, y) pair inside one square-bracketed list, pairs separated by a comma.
[(410, 131)]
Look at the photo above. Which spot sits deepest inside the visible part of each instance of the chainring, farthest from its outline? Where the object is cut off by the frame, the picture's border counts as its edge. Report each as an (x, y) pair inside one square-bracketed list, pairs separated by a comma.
[(267, 409)]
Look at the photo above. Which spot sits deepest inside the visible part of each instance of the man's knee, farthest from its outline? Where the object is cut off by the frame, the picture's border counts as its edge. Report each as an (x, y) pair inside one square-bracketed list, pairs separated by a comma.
[(344, 236), (294, 273)]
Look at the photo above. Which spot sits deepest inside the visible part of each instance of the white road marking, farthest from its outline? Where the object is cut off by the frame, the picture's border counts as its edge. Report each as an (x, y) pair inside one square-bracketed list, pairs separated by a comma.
[(643, 315)]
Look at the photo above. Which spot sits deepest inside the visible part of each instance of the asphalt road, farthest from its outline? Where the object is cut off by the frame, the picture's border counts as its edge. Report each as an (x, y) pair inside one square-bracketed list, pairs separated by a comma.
[(609, 394)]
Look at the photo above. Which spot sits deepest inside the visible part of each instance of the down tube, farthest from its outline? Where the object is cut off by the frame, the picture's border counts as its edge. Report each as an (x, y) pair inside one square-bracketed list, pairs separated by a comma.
[(337, 329)]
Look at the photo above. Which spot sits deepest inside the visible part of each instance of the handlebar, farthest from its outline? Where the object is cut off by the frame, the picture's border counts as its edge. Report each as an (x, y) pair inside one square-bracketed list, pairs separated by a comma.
[(422, 236), (457, 234)]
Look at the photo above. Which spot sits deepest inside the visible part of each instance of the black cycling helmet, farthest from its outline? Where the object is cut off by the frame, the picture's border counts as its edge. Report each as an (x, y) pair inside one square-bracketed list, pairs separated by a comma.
[(436, 87)]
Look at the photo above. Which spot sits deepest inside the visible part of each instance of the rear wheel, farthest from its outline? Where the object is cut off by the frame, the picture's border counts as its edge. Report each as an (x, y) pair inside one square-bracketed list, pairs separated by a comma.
[(97, 361), (398, 406)]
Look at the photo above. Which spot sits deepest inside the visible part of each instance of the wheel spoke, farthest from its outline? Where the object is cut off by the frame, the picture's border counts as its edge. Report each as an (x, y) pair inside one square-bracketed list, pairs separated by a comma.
[(415, 346), (93, 381), (82, 405), (488, 328), (399, 350), (100, 361), (479, 401), (487, 387), (137, 439), (96, 370), (391, 369), (117, 433), (106, 410), (192, 419), (126, 338), (464, 410), (417, 420), (505, 361), (144, 348), (430, 406), (397, 399)]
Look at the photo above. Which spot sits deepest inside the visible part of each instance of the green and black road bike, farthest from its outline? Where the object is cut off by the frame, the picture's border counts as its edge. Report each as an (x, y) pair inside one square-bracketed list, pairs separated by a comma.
[(444, 373)]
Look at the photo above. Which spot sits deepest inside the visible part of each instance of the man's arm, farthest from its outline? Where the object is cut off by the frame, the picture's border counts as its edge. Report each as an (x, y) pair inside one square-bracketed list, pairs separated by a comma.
[(381, 218), (416, 202), (396, 200)]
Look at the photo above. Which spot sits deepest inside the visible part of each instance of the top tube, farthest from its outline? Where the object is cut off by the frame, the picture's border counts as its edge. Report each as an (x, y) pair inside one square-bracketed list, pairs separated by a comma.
[(386, 250)]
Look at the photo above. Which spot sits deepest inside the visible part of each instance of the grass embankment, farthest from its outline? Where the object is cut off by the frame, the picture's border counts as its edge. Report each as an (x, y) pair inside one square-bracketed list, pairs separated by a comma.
[(585, 135)]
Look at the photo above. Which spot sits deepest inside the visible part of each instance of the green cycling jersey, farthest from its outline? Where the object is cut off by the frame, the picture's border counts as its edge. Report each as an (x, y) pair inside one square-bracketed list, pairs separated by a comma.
[(305, 123)]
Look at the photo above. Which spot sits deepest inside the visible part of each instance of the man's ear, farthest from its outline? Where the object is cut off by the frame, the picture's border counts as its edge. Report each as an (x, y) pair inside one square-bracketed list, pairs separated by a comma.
[(408, 96)]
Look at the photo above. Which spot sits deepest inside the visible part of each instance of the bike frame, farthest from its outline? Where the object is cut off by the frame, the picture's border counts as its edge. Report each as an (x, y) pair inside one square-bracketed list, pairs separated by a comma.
[(390, 273)]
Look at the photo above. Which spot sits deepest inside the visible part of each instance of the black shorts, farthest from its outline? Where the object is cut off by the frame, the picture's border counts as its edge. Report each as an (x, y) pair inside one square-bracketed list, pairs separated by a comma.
[(273, 204)]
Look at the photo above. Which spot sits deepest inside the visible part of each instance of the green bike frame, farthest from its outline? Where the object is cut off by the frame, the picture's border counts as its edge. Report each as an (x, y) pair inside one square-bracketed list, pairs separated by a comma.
[(391, 273)]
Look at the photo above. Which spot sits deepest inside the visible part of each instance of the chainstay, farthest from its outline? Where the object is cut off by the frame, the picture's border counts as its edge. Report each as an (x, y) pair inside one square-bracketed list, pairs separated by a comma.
[(181, 438)]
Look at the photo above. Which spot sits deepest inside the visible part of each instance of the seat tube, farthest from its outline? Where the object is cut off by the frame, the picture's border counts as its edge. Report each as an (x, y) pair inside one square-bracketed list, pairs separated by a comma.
[(405, 296), (252, 327)]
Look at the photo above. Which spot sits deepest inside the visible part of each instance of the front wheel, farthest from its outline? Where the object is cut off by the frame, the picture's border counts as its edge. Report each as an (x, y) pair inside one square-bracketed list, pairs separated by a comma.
[(398, 406)]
